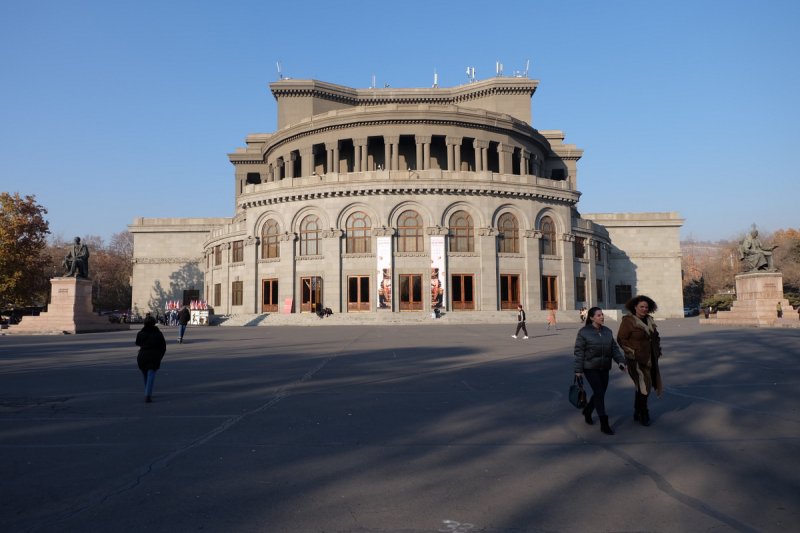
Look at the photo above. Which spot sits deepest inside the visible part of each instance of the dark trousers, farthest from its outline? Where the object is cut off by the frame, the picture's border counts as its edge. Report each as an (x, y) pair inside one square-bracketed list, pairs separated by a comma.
[(598, 381), (521, 326)]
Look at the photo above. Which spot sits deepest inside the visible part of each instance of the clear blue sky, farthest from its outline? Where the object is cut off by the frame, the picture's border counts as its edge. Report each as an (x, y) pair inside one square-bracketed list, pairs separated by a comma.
[(112, 110)]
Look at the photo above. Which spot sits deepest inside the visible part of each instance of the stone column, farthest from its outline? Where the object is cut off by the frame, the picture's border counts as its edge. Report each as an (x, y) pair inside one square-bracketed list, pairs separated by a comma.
[(425, 141), (457, 156), (332, 291), (419, 153), (481, 148), (336, 158), (289, 165), (567, 272), (533, 269), (505, 153), (306, 161), (329, 148), (287, 277), (387, 154), (450, 154), (360, 155), (524, 161), (251, 291), (591, 290), (487, 248), (394, 142)]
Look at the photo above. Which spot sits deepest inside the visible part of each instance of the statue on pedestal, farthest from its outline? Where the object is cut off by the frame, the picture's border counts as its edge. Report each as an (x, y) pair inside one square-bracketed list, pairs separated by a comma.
[(754, 256), (76, 262)]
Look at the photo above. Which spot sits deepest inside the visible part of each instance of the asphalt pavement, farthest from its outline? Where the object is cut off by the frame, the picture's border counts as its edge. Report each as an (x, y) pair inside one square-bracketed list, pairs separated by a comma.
[(408, 428)]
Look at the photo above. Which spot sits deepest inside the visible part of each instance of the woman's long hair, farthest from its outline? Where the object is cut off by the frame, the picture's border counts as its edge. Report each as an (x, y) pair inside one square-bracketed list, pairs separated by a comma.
[(590, 313)]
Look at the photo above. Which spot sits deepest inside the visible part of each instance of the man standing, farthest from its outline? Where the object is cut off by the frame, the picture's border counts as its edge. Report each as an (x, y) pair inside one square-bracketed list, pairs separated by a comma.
[(183, 319), (520, 322)]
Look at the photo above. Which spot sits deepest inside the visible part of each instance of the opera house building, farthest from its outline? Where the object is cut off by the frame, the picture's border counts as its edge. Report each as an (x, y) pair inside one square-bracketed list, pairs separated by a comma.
[(387, 200)]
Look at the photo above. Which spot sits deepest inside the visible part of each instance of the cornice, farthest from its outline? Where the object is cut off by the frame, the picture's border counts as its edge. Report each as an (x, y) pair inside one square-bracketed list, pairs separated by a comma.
[(390, 189), (165, 260)]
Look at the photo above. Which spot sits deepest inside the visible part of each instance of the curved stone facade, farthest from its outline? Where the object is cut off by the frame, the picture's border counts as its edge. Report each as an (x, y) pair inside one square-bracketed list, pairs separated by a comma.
[(392, 200)]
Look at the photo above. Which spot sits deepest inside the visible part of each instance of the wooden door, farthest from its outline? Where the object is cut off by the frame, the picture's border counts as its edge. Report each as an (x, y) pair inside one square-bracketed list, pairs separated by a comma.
[(311, 296), (462, 291), (411, 292), (358, 293), (269, 298)]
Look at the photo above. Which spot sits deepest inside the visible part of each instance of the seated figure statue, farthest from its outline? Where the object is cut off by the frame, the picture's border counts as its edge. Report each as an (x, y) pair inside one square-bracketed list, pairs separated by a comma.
[(754, 256), (76, 262)]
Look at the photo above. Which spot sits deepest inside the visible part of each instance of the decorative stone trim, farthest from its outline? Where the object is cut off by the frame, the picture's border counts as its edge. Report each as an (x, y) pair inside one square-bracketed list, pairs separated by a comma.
[(437, 230), (567, 237), (463, 254), (309, 258), (287, 236), (270, 260), (532, 234), (365, 255), (383, 232), (252, 241), (486, 232), (411, 254), (331, 233), (510, 255), (165, 260)]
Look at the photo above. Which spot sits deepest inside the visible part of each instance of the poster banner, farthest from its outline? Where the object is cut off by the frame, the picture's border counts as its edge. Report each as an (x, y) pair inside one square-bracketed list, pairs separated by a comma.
[(438, 275), (384, 277)]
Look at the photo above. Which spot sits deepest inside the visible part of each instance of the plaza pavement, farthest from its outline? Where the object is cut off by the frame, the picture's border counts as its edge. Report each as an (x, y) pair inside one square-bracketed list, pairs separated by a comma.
[(416, 428)]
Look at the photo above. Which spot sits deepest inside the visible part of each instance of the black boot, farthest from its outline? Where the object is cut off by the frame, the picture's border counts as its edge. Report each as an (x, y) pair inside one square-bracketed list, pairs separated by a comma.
[(587, 412), (644, 414), (637, 406), (604, 427)]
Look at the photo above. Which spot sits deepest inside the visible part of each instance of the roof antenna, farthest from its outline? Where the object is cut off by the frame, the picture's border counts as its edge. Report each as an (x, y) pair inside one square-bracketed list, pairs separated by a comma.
[(498, 68), (373, 82), (435, 79), (471, 74), (280, 69)]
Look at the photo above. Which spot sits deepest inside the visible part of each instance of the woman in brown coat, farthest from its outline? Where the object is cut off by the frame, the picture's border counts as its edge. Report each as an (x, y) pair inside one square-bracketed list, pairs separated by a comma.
[(638, 338)]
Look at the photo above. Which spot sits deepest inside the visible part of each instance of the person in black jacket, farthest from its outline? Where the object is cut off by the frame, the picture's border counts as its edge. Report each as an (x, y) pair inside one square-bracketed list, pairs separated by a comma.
[(152, 347), (183, 319), (594, 349), (520, 323)]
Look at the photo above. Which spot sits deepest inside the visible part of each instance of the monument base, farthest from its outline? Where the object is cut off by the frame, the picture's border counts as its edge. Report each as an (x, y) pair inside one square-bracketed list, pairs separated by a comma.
[(757, 298), (69, 311)]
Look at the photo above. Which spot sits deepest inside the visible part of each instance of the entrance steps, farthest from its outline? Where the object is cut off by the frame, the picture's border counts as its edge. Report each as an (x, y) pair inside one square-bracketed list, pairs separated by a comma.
[(389, 318)]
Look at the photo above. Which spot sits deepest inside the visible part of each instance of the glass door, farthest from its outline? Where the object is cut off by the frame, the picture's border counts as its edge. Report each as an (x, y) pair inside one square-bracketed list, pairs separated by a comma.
[(311, 297), (411, 292), (509, 291), (462, 291), (358, 293), (269, 292)]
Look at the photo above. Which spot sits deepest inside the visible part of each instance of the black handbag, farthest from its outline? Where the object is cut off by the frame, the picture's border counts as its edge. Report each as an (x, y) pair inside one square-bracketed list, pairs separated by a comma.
[(577, 396)]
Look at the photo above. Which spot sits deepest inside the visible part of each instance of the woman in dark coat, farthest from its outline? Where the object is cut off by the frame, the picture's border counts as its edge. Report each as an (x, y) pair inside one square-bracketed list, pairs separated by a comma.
[(594, 350), (152, 347), (638, 337)]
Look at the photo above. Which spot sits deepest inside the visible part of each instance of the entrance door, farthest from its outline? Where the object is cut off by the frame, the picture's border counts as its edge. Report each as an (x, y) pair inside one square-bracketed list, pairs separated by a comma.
[(269, 291), (358, 293), (462, 291), (410, 292), (509, 291), (549, 292), (311, 298)]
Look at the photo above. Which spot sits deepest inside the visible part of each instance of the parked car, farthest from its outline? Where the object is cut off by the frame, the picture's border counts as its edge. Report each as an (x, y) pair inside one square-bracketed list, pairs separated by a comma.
[(691, 311)]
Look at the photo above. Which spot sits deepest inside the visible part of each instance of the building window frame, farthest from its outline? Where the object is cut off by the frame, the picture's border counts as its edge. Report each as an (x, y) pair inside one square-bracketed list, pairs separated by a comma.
[(462, 232), (310, 235), (270, 240), (358, 232), (410, 234), (508, 227)]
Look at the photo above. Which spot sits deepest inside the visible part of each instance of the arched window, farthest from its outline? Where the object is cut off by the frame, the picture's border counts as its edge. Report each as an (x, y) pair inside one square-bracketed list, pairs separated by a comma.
[(358, 233), (548, 230), (309, 235), (269, 240), (462, 232), (509, 229), (409, 232)]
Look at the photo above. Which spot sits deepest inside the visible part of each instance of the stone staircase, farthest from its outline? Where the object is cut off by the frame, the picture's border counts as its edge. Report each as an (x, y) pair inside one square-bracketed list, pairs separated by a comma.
[(387, 318)]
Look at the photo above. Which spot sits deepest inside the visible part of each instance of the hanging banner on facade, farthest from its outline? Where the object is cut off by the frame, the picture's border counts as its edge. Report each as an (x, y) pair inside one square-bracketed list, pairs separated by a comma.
[(438, 275), (384, 277)]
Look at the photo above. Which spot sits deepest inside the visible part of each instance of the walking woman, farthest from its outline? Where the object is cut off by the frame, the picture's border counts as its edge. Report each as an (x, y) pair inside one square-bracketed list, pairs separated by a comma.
[(152, 347), (594, 350), (639, 339)]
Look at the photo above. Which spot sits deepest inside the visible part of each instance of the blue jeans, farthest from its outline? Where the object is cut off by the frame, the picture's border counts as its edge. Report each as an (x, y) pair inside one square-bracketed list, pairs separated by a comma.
[(181, 330), (149, 380)]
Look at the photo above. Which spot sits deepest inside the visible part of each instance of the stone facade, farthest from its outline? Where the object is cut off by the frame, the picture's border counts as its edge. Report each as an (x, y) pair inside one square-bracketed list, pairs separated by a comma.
[(391, 200)]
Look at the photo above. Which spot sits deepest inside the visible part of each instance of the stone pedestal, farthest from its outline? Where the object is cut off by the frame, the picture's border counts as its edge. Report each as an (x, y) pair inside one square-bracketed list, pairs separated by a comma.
[(757, 297), (69, 311)]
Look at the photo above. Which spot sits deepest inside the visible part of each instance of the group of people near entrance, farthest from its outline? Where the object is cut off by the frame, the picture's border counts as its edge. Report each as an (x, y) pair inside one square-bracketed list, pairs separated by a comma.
[(595, 349)]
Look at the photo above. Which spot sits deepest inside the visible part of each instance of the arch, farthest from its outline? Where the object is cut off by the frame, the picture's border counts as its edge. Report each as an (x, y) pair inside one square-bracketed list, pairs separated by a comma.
[(462, 232), (548, 240), (270, 239), (508, 228), (310, 234), (475, 213), (410, 232), (305, 211), (358, 232), (427, 216)]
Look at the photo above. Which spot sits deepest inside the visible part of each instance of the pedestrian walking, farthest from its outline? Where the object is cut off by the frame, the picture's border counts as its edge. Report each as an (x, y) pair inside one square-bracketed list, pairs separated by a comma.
[(183, 320), (639, 339), (779, 309), (594, 350), (551, 319), (152, 347), (520, 323)]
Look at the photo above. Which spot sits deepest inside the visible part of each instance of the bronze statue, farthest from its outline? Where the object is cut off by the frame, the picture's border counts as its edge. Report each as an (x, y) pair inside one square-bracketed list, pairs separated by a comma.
[(754, 256), (76, 262)]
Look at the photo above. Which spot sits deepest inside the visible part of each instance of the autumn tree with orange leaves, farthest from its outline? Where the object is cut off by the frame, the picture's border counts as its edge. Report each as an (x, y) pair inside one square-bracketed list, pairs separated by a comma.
[(23, 238)]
